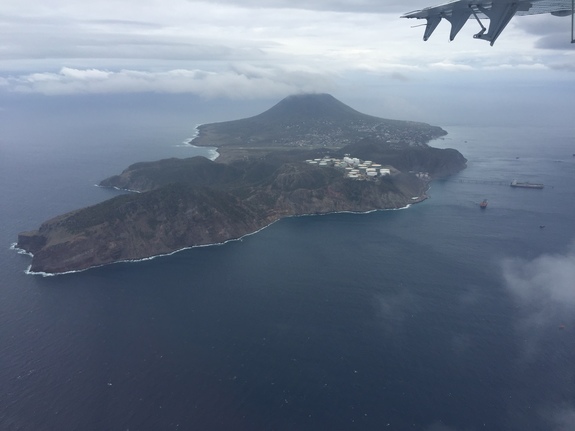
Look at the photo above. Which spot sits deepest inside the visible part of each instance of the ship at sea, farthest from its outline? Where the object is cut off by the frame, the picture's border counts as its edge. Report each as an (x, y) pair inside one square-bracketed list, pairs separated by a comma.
[(483, 204), (516, 183)]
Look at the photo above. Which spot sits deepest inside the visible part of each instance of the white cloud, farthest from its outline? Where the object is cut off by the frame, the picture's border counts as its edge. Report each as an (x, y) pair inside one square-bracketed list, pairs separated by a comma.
[(334, 34), (560, 418), (448, 66), (85, 75), (439, 426), (526, 67), (397, 6), (564, 420), (551, 32), (395, 309), (547, 281), (241, 82), (544, 292)]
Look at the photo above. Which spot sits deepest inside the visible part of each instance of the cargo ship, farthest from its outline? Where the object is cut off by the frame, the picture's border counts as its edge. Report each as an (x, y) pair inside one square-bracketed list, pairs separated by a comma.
[(483, 204), (516, 183)]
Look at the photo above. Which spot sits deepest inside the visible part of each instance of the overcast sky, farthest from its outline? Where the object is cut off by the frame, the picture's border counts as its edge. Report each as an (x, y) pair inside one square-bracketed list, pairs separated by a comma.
[(253, 49)]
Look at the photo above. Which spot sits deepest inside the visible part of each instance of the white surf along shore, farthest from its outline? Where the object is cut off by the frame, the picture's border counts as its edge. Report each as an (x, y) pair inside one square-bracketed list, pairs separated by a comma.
[(143, 259)]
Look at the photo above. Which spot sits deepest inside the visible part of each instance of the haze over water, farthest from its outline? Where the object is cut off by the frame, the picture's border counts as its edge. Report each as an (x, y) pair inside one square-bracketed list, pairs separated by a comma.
[(440, 317)]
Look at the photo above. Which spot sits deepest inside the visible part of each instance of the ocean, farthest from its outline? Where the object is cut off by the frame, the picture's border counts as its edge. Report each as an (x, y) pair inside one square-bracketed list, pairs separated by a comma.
[(439, 317)]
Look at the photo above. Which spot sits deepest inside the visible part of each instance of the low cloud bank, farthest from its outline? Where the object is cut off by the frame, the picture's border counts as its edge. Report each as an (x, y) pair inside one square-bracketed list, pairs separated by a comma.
[(543, 290), (559, 418), (547, 281), (239, 82)]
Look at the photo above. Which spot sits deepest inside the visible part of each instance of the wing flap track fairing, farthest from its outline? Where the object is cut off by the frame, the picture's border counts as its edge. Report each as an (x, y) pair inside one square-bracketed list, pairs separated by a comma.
[(498, 12)]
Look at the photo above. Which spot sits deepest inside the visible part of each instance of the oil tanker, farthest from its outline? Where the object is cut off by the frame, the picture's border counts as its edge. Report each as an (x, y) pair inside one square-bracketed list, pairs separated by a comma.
[(516, 183)]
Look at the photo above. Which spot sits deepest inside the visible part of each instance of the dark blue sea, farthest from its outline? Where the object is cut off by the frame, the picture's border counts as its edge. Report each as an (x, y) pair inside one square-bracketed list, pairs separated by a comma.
[(439, 317)]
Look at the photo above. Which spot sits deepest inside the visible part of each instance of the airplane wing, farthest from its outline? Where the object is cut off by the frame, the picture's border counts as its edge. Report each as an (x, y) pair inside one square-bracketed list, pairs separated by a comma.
[(498, 12)]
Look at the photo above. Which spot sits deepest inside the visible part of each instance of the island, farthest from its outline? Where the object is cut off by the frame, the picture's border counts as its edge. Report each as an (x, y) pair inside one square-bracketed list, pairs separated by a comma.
[(308, 154)]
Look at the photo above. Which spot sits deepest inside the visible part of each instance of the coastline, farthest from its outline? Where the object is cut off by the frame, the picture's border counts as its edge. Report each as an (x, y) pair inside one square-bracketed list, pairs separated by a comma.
[(214, 151), (144, 259)]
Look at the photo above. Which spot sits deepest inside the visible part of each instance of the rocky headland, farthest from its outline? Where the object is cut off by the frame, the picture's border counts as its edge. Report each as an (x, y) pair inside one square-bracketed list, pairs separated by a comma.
[(286, 161)]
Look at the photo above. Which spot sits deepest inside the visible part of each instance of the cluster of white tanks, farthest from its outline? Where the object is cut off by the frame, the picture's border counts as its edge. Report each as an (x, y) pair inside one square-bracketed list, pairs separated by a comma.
[(354, 167)]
